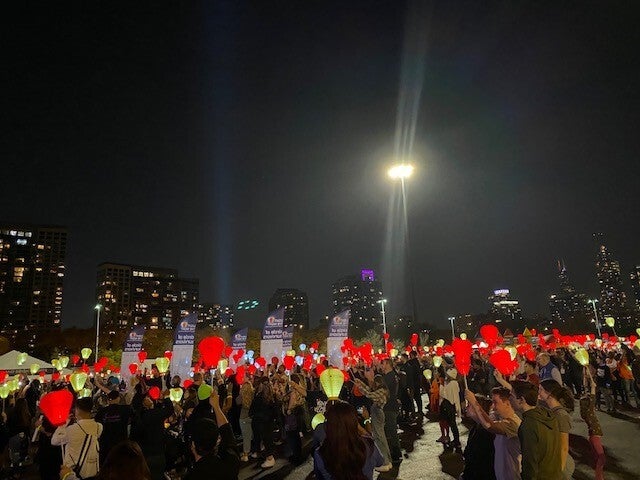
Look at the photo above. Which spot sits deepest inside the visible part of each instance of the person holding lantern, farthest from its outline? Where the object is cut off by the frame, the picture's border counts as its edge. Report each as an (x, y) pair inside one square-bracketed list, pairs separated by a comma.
[(390, 379), (560, 402), (450, 405)]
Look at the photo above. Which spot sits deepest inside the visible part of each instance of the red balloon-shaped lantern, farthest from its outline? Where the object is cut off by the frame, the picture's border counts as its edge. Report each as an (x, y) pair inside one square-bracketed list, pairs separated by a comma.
[(168, 354), (261, 361), (240, 375), (75, 359), (187, 383), (228, 350), (3, 375), (462, 350), (56, 406), (142, 356), (55, 376), (252, 369), (489, 334), (288, 362), (154, 393), (414, 339), (211, 349), (501, 360), (133, 368)]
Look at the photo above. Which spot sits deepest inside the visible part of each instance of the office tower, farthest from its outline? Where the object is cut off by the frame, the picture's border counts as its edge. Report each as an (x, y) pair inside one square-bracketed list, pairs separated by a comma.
[(568, 307), (215, 315), (362, 294), (505, 309)]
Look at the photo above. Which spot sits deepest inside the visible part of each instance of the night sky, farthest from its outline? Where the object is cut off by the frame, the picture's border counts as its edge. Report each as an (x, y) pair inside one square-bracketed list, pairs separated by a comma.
[(246, 143)]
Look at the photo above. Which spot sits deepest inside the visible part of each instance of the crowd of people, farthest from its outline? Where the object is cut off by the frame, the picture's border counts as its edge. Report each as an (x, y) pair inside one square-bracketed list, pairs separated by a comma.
[(156, 426)]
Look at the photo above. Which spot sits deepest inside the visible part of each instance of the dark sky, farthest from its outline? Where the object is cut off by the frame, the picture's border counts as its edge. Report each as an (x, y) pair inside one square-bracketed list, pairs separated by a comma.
[(246, 143)]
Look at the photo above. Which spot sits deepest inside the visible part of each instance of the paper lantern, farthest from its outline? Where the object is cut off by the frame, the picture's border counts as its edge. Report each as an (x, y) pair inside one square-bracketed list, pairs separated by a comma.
[(598, 342), (240, 371), (462, 350), (489, 333), (64, 361), (168, 354), (393, 352), (637, 344), (638, 331), (34, 368), (4, 391), (56, 406), (78, 380), (332, 380), (610, 321), (513, 351), (175, 394), (75, 358), (250, 354), (317, 419), (55, 376), (319, 369), (86, 353), (302, 347), (252, 369), (162, 364), (428, 374), (84, 393), (223, 363), (501, 360), (204, 391), (414, 339), (142, 356), (133, 368), (211, 349), (440, 343), (41, 373), (3, 375), (582, 356), (288, 362), (187, 383), (154, 393), (463, 336), (21, 358), (261, 362), (437, 361)]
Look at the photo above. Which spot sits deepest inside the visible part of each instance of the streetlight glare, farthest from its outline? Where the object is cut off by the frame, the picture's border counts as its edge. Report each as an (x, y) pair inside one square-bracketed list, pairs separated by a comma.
[(98, 307), (400, 171)]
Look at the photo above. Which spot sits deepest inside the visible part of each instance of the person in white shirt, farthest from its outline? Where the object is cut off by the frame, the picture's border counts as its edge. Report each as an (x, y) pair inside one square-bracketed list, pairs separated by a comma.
[(79, 441), (450, 404)]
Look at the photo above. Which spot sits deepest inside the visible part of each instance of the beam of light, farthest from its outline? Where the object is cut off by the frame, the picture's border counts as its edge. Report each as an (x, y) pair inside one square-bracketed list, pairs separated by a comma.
[(400, 171), (411, 77)]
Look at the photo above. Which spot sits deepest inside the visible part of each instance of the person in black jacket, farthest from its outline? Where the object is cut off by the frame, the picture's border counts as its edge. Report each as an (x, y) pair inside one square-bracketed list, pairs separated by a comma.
[(263, 413), (213, 460), (115, 419), (148, 431)]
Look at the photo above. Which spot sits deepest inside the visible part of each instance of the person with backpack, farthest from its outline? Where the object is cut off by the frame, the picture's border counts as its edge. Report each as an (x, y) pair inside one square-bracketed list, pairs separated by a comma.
[(79, 441)]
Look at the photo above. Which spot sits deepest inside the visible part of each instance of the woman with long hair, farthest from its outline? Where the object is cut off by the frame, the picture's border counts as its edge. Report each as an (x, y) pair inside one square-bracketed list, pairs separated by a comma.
[(345, 453), (263, 413), (560, 401)]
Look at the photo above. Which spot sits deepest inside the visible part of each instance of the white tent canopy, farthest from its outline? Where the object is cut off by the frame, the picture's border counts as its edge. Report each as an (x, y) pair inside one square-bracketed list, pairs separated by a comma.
[(9, 362)]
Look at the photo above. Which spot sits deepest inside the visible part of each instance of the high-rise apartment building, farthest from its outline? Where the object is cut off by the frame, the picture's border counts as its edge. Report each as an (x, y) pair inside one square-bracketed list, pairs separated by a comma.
[(32, 270), (151, 296), (612, 296), (634, 276), (568, 306), (504, 308), (296, 306), (215, 315), (362, 294)]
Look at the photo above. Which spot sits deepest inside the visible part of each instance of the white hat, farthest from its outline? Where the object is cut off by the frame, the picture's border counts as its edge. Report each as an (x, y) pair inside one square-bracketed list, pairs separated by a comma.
[(453, 373)]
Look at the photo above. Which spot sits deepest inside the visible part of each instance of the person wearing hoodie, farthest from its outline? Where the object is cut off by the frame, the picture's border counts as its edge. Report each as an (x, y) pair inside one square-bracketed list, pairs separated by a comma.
[(539, 436)]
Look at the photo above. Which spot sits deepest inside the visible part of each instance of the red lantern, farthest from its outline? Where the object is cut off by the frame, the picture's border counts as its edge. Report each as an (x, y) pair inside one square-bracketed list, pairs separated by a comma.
[(462, 350), (55, 376), (414, 339), (319, 369), (314, 345), (288, 362), (41, 373), (346, 375), (187, 383), (501, 360), (274, 360), (115, 369), (85, 368), (154, 393), (385, 336), (133, 368), (168, 354), (142, 356), (489, 333), (75, 359), (228, 373), (3, 375), (252, 369), (240, 375), (56, 406), (228, 350), (211, 349), (261, 361)]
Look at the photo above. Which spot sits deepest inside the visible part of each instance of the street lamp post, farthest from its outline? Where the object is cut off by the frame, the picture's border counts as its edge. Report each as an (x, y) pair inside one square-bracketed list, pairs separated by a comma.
[(453, 332), (401, 172), (384, 317), (98, 307), (595, 313)]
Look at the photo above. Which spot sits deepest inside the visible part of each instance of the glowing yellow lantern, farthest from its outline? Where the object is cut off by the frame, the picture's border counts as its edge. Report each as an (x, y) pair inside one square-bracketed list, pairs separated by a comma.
[(440, 343), (85, 353), (13, 384), (175, 394), (317, 419), (637, 344), (55, 362), (512, 351), (428, 374), (598, 342), (463, 336), (291, 353), (437, 361), (638, 331), (223, 364), (4, 391), (78, 380), (162, 364), (582, 356), (84, 393), (64, 361), (331, 380), (21, 358), (34, 368), (610, 321)]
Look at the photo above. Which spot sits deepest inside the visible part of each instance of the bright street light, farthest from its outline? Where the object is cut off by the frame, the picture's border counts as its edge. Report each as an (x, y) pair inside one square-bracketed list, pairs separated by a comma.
[(595, 313), (401, 171), (97, 307), (384, 317)]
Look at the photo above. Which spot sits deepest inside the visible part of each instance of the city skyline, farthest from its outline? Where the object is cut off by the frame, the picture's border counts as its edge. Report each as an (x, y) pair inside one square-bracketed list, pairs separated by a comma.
[(247, 145)]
